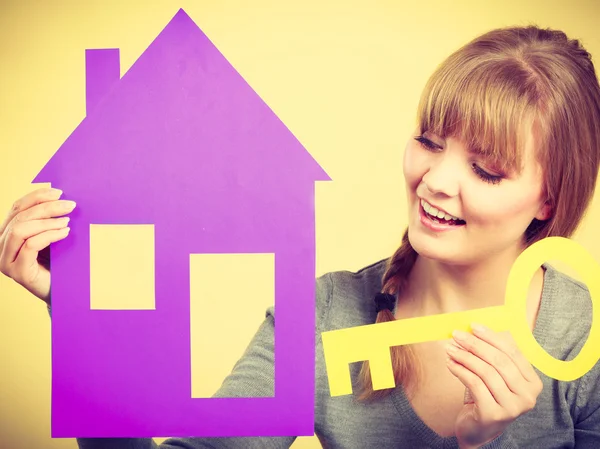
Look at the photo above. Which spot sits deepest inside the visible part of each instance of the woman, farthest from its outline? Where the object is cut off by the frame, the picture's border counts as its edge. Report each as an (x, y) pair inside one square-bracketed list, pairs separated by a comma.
[(505, 153)]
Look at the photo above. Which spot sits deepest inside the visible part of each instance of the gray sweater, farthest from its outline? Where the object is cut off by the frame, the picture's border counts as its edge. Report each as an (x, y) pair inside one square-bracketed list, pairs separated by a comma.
[(567, 414)]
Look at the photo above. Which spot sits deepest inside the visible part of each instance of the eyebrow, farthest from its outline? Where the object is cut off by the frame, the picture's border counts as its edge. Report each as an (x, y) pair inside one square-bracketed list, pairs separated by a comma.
[(476, 150), (429, 135), (470, 148)]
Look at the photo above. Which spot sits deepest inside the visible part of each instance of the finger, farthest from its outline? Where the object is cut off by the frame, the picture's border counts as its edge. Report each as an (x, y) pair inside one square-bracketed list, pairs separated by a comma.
[(491, 378), (496, 360), (38, 196), (468, 398), (508, 347), (47, 209), (479, 392), (18, 234), (28, 252)]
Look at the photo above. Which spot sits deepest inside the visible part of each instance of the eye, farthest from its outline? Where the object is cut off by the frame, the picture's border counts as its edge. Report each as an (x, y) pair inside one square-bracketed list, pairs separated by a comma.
[(485, 176), (480, 172), (428, 144)]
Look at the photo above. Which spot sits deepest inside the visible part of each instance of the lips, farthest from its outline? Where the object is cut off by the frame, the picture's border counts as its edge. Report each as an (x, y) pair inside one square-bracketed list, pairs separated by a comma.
[(436, 224), (438, 214)]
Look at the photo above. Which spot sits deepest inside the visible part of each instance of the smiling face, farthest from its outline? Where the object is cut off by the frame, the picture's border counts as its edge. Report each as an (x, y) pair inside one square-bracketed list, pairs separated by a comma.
[(495, 208)]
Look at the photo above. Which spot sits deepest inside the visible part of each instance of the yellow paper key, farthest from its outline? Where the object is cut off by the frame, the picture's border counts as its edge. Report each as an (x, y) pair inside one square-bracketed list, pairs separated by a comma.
[(372, 342)]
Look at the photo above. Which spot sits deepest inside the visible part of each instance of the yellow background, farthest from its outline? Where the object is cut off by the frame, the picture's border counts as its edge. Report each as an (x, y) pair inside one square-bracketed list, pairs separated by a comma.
[(345, 77)]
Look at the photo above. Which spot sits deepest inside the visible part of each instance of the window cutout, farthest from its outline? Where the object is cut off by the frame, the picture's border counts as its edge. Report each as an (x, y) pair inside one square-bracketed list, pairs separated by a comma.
[(122, 267), (229, 294)]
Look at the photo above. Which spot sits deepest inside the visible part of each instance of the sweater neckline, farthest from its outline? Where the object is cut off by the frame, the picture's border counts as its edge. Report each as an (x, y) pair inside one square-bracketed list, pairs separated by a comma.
[(426, 433)]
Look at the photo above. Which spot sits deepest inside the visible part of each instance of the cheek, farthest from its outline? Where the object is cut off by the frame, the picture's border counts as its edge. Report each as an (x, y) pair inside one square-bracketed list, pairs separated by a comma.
[(496, 208), (412, 167)]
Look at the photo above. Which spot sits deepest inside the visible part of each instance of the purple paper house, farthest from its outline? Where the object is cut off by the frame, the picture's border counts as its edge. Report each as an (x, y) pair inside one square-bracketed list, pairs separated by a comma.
[(182, 142)]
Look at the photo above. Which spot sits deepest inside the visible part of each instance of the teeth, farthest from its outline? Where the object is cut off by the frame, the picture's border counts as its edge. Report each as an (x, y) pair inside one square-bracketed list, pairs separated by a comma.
[(437, 213)]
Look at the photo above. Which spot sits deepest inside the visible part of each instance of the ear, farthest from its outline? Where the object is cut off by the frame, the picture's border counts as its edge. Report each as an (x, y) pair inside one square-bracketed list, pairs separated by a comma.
[(545, 212)]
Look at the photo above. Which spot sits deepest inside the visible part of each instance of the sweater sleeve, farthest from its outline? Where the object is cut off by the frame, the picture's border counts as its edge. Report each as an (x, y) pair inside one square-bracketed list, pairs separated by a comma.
[(252, 375), (503, 441), (587, 419)]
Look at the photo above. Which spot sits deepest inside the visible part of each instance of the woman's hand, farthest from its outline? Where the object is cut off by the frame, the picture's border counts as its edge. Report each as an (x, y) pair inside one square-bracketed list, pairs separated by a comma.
[(26, 234), (501, 384)]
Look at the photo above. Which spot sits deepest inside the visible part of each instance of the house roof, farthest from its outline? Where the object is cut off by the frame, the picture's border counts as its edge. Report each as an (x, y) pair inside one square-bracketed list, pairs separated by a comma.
[(181, 116)]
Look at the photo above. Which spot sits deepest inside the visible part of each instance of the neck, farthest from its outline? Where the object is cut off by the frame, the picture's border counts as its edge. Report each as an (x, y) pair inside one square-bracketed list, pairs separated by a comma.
[(435, 287)]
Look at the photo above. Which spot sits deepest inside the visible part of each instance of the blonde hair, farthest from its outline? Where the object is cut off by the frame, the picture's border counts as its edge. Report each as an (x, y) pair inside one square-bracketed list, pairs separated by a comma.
[(489, 93)]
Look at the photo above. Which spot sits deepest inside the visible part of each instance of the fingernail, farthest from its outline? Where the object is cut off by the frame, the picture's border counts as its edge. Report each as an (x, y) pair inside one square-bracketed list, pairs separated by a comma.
[(460, 335), (70, 205), (58, 192), (451, 349), (480, 328)]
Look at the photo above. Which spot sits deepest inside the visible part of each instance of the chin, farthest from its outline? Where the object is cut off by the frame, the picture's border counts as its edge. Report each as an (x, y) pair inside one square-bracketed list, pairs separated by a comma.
[(424, 248), (434, 250)]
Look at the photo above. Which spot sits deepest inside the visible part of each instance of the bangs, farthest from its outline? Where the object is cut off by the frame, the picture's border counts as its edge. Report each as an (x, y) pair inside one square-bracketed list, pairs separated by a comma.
[(488, 105)]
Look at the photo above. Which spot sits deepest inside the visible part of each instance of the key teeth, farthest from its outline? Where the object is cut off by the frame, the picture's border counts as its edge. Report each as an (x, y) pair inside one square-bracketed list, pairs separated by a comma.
[(382, 371)]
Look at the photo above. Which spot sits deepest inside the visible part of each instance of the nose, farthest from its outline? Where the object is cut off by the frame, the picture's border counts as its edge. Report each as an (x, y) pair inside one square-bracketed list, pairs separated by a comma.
[(442, 176)]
